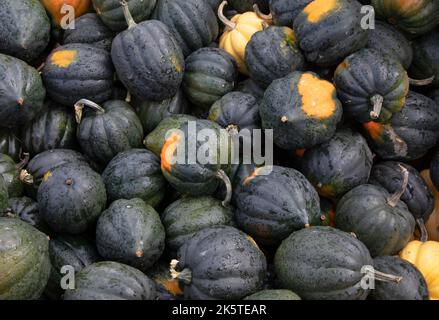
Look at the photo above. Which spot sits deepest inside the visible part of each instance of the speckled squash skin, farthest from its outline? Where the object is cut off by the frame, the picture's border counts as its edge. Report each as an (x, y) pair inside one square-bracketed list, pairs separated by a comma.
[(90, 29), (135, 173), (71, 198), (271, 207), (111, 14), (426, 55), (365, 74), (410, 133), (285, 11), (24, 92), (387, 39), (25, 29), (11, 172), (251, 87), (103, 134), (225, 264), (3, 196), (130, 231), (20, 241), (325, 41), (10, 143), (111, 281), (300, 120), (188, 215), (411, 287), (273, 294), (78, 71), (272, 54), (210, 74), (157, 73), (27, 209), (337, 166)]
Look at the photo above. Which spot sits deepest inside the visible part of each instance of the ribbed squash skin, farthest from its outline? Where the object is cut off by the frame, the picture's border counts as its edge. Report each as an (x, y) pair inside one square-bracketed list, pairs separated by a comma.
[(102, 135), (78, 71), (71, 198), (413, 17), (426, 55), (10, 143), (326, 41), (55, 128), (135, 173), (24, 92), (411, 287), (130, 231), (410, 133), (322, 263), (210, 74), (3, 196), (111, 14), (90, 29), (192, 22), (367, 73), (21, 242), (273, 294), (272, 54), (186, 216), (27, 209), (387, 39), (285, 11), (251, 87), (213, 255), (337, 166), (11, 172), (156, 73), (25, 29), (111, 281)]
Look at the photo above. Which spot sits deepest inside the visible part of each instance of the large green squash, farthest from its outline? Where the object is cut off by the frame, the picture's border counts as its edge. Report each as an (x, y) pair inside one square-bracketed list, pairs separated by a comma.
[(220, 263), (273, 294), (23, 95), (25, 264), (71, 198), (106, 130), (27, 210), (371, 85), (78, 71), (135, 173), (148, 59), (130, 231), (272, 54), (337, 166), (284, 12), (111, 281), (3, 196), (10, 143), (188, 215), (11, 173), (426, 56), (25, 29), (323, 263), (272, 205)]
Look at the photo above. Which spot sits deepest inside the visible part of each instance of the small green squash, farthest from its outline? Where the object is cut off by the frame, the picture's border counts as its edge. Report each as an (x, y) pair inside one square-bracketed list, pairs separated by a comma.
[(10, 143), (3, 196), (284, 12), (130, 231), (273, 294), (11, 174), (20, 242), (426, 55), (27, 210)]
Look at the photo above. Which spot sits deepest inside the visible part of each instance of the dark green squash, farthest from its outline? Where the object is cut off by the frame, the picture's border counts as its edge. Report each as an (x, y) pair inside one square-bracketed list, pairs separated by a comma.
[(167, 287), (90, 29), (272, 205), (111, 13), (284, 12), (25, 29), (20, 242), (272, 54), (23, 95), (71, 198), (27, 210), (10, 143), (339, 165), (302, 109), (323, 39), (78, 71), (11, 174), (371, 85), (210, 74), (54, 128), (148, 59), (208, 265), (411, 287), (251, 87), (106, 130), (3, 196), (188, 215), (323, 263), (135, 173), (130, 231), (111, 281), (411, 133), (426, 56), (273, 294)]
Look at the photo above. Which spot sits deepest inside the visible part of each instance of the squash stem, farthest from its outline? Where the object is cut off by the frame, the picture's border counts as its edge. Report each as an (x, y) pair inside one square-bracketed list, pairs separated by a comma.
[(232, 129), (225, 178), (394, 198), (184, 276), (79, 106), (266, 17), (421, 82), (229, 24), (377, 101), (26, 177), (126, 12), (384, 277), (422, 229), (24, 161)]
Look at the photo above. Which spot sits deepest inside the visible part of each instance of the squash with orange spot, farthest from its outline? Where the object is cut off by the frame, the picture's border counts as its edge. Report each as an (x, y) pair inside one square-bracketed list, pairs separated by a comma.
[(167, 287), (55, 8)]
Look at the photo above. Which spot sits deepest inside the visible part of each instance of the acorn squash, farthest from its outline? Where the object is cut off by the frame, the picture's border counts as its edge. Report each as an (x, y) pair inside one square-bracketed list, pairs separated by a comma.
[(284, 12), (167, 287), (54, 7), (27, 210), (11, 174), (426, 55), (10, 143)]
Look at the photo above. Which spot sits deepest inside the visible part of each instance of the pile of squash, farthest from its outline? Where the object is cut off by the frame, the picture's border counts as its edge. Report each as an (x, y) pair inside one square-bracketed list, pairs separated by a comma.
[(89, 196)]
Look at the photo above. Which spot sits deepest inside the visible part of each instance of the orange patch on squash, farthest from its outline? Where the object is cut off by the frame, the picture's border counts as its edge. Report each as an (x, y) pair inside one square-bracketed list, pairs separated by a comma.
[(326, 190), (176, 64), (54, 8), (168, 151), (319, 9), (300, 152), (63, 58), (47, 175), (252, 176), (171, 285), (374, 129)]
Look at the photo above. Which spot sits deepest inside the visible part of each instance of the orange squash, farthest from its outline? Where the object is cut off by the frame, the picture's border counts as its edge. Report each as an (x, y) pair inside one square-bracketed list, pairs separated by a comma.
[(433, 223), (54, 8)]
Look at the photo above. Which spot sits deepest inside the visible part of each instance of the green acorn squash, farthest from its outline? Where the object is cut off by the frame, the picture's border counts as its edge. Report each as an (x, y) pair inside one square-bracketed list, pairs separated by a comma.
[(11, 173), (273, 294), (3, 196), (10, 143), (426, 55), (251, 87), (284, 12), (27, 210)]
